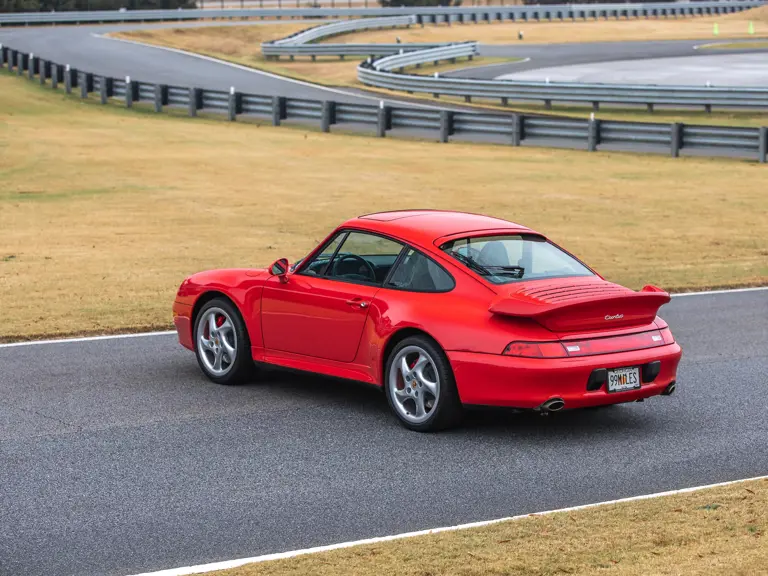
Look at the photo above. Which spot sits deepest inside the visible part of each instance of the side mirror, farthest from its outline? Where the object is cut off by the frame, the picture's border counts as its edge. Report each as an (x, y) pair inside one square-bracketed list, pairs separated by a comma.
[(279, 268)]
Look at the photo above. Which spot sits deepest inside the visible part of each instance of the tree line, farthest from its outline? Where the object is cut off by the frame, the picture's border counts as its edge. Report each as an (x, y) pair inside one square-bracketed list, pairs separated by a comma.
[(82, 5)]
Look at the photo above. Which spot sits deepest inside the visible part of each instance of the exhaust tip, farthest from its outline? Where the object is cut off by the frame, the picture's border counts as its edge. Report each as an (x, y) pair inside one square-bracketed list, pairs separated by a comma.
[(553, 405), (670, 389)]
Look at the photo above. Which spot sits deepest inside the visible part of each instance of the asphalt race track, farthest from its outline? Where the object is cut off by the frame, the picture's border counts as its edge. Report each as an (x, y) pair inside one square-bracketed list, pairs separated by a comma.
[(117, 456), (84, 48), (544, 56)]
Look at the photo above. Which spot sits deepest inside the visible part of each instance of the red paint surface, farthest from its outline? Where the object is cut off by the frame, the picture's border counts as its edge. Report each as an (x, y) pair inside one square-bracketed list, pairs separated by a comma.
[(317, 324)]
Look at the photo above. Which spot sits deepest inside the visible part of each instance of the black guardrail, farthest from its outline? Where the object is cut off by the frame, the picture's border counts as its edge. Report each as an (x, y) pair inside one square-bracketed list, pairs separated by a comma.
[(513, 129)]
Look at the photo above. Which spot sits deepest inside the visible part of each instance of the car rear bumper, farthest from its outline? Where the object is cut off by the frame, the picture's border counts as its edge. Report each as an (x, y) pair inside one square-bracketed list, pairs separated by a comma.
[(182, 314), (496, 380)]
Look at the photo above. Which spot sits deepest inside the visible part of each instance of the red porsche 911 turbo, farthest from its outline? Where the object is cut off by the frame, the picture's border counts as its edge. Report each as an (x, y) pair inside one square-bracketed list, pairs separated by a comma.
[(441, 310)]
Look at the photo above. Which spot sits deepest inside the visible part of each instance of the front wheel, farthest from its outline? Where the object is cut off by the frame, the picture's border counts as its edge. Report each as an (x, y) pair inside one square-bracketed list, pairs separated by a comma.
[(221, 343), (420, 386)]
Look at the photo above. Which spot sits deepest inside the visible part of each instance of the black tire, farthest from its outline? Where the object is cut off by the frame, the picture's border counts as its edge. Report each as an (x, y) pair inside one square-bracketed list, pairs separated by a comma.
[(242, 369), (447, 411)]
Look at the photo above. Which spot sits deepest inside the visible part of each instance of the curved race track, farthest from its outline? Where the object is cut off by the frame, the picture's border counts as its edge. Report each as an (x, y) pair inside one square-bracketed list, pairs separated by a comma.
[(83, 47), (117, 456)]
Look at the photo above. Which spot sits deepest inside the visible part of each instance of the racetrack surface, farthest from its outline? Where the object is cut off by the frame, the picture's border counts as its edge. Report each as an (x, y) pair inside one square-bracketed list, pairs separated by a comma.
[(84, 47), (117, 456), (545, 56)]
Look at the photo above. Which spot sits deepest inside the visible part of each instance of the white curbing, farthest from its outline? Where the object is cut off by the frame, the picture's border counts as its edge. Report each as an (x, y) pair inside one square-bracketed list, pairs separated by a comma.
[(88, 338), (727, 291), (202, 568)]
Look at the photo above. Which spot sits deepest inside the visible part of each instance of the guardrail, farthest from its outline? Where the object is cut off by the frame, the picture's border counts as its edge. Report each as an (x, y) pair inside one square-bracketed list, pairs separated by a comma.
[(512, 129), (272, 52), (299, 44), (374, 73), (328, 30), (429, 14), (434, 55)]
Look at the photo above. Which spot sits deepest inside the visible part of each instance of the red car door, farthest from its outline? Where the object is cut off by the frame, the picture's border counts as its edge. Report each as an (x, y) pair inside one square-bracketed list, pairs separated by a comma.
[(318, 317)]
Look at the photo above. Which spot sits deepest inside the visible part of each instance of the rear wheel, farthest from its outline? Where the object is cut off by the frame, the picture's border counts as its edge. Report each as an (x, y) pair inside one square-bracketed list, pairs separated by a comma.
[(221, 343), (420, 386)]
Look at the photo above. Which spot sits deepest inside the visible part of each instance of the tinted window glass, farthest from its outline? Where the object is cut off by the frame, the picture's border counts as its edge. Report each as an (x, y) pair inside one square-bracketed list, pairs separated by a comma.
[(418, 273), (505, 259), (364, 258), (320, 262)]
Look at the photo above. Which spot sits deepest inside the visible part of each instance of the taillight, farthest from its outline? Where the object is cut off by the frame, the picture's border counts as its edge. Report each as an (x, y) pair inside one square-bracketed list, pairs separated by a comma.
[(536, 350), (666, 334), (592, 346)]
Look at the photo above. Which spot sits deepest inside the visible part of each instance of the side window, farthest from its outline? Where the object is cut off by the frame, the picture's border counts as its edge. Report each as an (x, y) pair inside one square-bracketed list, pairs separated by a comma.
[(364, 258), (320, 262), (418, 273)]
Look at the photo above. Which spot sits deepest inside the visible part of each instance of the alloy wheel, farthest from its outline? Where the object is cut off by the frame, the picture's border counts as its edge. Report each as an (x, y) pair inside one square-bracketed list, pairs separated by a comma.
[(217, 341), (414, 384)]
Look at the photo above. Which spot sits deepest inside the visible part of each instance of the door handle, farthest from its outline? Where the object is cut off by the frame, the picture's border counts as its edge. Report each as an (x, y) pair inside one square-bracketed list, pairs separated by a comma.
[(358, 303)]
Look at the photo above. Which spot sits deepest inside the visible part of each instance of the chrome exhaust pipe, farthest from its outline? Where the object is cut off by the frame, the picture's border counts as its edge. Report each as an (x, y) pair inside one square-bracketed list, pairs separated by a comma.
[(552, 405), (670, 389)]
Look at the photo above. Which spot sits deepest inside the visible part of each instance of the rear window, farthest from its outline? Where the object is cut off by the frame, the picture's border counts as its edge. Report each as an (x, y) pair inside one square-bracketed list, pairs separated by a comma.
[(507, 259)]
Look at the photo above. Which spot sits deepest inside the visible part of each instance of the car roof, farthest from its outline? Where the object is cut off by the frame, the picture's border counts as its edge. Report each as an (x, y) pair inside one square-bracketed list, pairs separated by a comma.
[(424, 227)]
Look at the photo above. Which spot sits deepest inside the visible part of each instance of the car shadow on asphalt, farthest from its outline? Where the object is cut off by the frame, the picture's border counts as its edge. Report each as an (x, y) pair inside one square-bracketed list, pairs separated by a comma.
[(368, 402)]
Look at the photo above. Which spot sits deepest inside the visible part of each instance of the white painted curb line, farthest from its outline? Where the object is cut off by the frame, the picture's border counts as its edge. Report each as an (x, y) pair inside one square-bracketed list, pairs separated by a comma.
[(728, 291), (88, 338), (202, 568)]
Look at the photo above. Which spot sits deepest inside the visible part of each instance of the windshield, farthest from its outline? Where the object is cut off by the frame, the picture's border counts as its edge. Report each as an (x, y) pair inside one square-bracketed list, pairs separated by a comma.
[(505, 259)]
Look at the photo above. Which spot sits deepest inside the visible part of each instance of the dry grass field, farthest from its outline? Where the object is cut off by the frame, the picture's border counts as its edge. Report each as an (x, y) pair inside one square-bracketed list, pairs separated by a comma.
[(729, 26), (103, 211), (714, 532)]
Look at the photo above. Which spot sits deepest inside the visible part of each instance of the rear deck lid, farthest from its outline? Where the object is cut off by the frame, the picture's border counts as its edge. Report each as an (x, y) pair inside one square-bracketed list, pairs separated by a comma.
[(581, 304)]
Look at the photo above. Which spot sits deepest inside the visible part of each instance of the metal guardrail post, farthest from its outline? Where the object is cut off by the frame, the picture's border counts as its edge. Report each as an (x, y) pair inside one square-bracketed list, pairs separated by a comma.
[(86, 84), (128, 92), (195, 101), (383, 120), (278, 110), (3, 55), (105, 89), (329, 116), (161, 97), (21, 63), (43, 66), (676, 140), (763, 145), (517, 129), (73, 77), (68, 73), (446, 125), (31, 62), (594, 134), (56, 75), (235, 104)]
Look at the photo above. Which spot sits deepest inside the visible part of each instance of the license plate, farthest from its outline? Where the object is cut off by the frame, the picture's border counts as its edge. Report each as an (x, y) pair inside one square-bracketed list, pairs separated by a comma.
[(623, 379)]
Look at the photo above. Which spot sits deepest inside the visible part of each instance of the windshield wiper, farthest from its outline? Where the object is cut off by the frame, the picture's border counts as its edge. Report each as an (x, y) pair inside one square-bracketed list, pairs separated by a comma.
[(471, 263), (516, 271)]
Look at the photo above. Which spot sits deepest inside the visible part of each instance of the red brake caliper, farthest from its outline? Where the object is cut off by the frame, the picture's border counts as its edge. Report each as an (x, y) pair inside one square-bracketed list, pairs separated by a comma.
[(219, 321)]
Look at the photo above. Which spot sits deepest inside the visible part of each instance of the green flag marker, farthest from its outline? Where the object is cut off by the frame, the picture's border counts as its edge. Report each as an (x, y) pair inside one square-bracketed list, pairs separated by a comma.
[(751, 27), (716, 29)]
